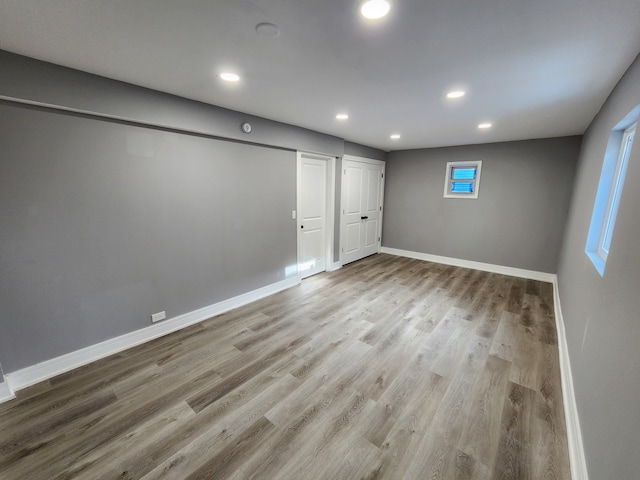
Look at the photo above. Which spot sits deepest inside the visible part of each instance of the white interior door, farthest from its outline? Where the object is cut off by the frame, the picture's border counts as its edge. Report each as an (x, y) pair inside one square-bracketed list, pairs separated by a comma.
[(362, 197), (313, 218)]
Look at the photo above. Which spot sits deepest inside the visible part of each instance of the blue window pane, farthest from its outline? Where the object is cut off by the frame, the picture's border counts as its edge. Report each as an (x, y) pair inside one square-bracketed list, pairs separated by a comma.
[(461, 187), (463, 173)]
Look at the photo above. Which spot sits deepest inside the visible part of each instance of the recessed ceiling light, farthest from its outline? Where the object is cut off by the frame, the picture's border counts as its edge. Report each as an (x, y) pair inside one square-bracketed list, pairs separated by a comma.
[(374, 9), (456, 94), (268, 30), (229, 77), (395, 136), (342, 116), (485, 125)]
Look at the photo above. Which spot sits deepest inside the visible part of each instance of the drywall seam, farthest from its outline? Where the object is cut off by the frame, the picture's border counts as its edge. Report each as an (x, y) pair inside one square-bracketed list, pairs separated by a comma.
[(139, 122)]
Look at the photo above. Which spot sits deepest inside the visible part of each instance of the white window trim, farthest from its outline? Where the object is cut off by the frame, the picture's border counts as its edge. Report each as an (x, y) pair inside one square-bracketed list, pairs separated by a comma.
[(477, 164), (608, 196), (608, 225)]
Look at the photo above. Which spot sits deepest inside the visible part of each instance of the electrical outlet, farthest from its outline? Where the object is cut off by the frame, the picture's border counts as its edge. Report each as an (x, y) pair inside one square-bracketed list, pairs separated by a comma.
[(156, 317)]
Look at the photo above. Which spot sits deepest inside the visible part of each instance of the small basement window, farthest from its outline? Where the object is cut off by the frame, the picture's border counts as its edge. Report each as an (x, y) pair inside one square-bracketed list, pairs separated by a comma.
[(614, 169), (462, 179)]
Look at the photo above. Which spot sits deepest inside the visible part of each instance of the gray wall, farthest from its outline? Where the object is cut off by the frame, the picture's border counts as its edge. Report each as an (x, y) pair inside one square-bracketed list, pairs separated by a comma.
[(104, 224), (28, 79), (517, 221), (105, 221), (601, 313)]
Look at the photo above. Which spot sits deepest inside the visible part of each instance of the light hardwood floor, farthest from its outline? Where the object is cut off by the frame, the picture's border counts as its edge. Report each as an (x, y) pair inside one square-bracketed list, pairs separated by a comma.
[(390, 368)]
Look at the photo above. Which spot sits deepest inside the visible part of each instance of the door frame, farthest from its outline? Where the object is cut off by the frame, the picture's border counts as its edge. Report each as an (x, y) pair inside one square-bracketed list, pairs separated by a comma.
[(330, 205), (371, 161)]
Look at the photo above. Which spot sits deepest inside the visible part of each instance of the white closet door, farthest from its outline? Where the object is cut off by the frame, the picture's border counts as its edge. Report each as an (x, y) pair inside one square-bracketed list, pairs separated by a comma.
[(362, 196)]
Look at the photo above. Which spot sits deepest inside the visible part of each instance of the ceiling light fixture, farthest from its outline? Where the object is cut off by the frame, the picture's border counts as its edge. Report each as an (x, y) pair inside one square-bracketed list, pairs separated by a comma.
[(342, 116), (395, 136), (374, 9), (229, 77), (456, 94), (485, 125), (268, 30)]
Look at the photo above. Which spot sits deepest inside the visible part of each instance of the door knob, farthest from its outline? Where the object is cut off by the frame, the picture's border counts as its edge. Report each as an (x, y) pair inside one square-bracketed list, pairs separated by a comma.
[(301, 226), (364, 218)]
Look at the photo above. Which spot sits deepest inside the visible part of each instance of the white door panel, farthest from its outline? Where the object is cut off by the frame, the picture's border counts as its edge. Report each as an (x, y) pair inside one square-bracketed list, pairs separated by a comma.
[(312, 214), (362, 190), (354, 190), (314, 188), (373, 189), (353, 237), (371, 233)]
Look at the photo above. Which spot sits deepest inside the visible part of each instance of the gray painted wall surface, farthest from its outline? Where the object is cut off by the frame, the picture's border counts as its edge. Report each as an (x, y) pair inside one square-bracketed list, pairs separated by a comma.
[(29, 79), (601, 313), (104, 224), (171, 228), (518, 219)]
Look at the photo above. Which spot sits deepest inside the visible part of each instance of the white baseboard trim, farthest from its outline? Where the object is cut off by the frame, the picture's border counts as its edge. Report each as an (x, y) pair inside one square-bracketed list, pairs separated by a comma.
[(50, 368), (577, 459), (486, 267), (6, 393)]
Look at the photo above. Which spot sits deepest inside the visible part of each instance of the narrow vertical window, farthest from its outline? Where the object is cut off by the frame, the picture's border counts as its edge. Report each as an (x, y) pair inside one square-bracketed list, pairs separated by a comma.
[(462, 179), (605, 210), (614, 197)]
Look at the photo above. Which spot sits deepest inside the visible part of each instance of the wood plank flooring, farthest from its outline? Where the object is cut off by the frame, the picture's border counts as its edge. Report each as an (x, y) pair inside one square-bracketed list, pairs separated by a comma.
[(390, 368)]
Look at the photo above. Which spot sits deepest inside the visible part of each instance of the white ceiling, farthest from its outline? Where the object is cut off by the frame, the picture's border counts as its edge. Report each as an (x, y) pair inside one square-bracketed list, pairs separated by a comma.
[(535, 68)]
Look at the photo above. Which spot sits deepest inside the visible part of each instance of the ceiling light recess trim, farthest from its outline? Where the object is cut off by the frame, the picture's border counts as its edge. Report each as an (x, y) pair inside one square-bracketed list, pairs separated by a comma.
[(394, 136), (342, 116), (374, 9), (229, 77), (267, 30), (485, 125)]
